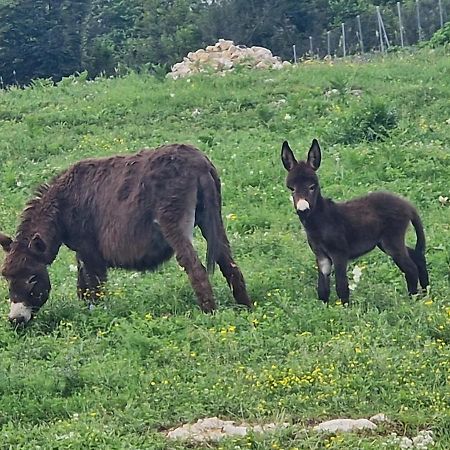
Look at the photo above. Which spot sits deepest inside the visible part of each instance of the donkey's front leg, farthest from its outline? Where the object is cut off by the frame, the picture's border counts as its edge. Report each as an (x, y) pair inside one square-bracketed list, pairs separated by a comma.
[(340, 269), (323, 282), (91, 278)]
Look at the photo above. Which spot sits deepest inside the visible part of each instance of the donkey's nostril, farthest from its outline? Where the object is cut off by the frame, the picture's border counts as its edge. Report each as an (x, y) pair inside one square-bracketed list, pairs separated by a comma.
[(17, 320)]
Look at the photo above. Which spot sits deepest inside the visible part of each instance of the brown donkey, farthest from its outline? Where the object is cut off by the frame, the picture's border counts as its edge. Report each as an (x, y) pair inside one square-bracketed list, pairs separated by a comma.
[(132, 212), (339, 232)]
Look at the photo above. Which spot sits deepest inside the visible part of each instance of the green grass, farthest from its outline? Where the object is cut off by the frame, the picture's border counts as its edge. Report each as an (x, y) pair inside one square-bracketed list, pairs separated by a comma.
[(146, 359)]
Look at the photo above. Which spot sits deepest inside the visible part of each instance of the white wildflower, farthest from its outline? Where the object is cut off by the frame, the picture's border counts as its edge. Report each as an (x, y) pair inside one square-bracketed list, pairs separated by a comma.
[(357, 272), (443, 200)]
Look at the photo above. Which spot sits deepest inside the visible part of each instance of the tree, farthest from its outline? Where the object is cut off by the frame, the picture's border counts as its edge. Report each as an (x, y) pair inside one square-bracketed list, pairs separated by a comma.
[(40, 38)]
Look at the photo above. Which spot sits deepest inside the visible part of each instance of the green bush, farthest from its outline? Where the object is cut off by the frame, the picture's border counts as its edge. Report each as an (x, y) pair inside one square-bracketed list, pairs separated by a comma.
[(441, 37), (372, 121)]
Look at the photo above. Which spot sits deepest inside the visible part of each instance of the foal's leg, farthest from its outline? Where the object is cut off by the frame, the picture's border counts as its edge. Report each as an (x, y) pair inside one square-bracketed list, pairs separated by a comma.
[(178, 238), (395, 247), (324, 265), (340, 262), (91, 278)]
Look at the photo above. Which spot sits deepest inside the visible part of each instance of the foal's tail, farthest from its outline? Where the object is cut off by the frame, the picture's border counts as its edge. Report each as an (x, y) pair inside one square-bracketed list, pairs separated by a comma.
[(209, 217), (417, 224)]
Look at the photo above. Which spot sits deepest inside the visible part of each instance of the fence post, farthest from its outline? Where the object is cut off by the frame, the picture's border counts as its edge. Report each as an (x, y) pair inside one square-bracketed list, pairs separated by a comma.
[(380, 31), (384, 32), (343, 39), (441, 14), (419, 26), (328, 43), (361, 44), (295, 54), (400, 23), (311, 46)]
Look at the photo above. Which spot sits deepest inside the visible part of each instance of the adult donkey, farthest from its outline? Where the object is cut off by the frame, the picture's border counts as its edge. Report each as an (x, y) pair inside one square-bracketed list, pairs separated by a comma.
[(132, 212), (338, 232)]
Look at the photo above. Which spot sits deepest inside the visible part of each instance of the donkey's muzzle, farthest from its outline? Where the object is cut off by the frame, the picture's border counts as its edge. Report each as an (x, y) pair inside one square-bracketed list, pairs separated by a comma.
[(19, 313)]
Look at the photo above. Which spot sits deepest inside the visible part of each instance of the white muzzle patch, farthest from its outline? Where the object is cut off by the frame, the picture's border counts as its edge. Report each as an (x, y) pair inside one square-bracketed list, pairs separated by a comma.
[(19, 312), (302, 205)]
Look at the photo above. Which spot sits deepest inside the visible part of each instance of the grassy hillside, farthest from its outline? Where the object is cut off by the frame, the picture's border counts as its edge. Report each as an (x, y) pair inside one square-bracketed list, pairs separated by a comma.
[(145, 359)]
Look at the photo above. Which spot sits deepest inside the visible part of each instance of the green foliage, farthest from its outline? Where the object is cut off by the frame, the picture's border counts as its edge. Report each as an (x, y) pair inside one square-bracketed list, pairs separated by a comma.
[(145, 359), (441, 37), (372, 120)]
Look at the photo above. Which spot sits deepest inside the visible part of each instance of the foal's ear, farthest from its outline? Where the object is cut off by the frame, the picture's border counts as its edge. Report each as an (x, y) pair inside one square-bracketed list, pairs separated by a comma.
[(5, 242), (314, 155), (287, 156), (37, 244)]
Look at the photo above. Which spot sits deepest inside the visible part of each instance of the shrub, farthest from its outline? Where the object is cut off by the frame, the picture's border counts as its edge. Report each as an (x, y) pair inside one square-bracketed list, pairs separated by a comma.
[(441, 37), (372, 121)]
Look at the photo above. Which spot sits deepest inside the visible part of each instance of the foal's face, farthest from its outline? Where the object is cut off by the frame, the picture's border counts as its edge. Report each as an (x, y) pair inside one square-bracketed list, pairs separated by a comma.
[(302, 179), (27, 277)]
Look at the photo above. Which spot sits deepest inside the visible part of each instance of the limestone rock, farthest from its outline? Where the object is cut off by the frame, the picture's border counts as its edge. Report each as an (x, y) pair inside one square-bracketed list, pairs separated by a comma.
[(345, 425), (223, 57)]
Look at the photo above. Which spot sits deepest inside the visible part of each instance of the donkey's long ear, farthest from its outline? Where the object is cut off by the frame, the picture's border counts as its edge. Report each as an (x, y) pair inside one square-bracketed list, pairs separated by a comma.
[(287, 156), (37, 244), (314, 155), (5, 242)]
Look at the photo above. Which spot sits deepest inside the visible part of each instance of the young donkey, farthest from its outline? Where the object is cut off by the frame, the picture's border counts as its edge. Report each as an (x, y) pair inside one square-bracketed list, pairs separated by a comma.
[(132, 212), (338, 232)]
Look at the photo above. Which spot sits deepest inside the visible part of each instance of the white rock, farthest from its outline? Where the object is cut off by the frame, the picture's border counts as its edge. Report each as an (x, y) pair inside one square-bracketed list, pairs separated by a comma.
[(179, 433), (210, 422), (379, 418), (233, 430), (345, 425), (261, 52)]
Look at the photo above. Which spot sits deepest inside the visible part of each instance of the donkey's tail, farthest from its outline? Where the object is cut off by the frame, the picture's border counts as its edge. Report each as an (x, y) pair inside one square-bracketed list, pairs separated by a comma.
[(417, 224), (209, 216)]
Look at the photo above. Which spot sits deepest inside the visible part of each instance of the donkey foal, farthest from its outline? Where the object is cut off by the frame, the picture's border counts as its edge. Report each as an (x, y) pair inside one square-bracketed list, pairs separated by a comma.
[(338, 232)]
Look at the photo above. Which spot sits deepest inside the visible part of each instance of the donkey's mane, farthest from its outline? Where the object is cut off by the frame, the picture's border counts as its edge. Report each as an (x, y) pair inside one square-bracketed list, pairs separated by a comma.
[(38, 211)]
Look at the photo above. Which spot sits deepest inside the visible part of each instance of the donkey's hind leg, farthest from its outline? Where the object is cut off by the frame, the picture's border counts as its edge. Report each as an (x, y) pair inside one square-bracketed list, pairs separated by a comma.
[(233, 275), (224, 258), (180, 241), (421, 264), (394, 246)]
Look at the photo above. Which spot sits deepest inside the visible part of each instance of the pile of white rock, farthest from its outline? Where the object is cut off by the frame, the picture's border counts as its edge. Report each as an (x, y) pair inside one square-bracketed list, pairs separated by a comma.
[(224, 56)]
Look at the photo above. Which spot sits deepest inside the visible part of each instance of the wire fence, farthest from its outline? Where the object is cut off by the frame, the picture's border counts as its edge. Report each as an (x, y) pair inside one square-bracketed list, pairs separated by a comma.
[(378, 30)]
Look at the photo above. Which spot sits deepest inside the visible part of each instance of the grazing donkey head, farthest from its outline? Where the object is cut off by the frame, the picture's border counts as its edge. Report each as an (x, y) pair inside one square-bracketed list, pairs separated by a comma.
[(339, 232), (26, 272)]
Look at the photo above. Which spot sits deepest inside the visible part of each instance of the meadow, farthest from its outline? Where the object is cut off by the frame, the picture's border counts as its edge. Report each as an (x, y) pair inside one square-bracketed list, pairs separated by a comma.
[(145, 359)]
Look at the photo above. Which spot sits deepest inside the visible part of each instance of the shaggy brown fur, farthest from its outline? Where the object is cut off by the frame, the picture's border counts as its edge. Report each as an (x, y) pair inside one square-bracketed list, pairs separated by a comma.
[(132, 212), (338, 232)]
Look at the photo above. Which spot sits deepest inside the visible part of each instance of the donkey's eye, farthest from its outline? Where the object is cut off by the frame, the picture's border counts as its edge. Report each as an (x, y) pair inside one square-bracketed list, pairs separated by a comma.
[(312, 187), (291, 188)]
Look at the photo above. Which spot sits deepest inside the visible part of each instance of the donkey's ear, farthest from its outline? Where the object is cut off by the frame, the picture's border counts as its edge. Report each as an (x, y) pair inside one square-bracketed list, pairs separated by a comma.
[(37, 244), (5, 242), (314, 155), (287, 156)]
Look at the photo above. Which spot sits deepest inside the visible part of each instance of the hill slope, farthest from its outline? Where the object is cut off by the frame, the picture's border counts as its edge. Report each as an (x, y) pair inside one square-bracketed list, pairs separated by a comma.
[(145, 359)]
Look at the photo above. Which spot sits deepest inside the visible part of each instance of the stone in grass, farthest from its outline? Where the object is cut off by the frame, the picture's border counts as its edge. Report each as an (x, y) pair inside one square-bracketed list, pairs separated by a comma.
[(345, 425), (380, 418), (214, 429)]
